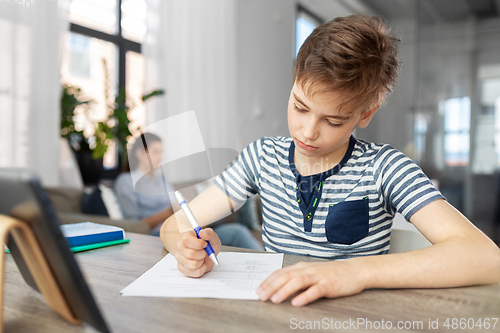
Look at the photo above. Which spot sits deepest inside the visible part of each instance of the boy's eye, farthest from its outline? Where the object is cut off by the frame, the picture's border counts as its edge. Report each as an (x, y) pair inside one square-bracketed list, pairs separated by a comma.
[(298, 109), (304, 110), (333, 124)]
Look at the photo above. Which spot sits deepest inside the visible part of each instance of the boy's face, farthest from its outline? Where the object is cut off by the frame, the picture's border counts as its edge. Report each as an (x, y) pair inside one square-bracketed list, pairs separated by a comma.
[(317, 127)]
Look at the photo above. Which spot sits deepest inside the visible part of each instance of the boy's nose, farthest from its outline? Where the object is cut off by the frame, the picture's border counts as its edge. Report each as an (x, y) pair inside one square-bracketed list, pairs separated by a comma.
[(309, 131)]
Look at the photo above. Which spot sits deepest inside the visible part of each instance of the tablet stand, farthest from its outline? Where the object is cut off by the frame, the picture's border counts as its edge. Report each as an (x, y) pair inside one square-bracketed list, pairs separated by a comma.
[(37, 265)]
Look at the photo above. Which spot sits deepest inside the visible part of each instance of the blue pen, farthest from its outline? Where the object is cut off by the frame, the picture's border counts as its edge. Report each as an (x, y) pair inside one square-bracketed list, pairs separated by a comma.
[(195, 225)]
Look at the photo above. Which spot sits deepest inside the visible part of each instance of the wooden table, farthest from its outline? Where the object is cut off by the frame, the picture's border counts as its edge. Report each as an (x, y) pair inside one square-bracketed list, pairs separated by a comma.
[(109, 270)]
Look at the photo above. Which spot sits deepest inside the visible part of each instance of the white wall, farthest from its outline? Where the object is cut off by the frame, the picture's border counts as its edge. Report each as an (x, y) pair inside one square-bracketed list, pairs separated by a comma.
[(265, 60), (393, 123)]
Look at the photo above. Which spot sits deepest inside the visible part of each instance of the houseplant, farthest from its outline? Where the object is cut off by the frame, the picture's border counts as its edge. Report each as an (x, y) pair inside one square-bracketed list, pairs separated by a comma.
[(90, 166), (117, 124), (90, 149), (71, 98)]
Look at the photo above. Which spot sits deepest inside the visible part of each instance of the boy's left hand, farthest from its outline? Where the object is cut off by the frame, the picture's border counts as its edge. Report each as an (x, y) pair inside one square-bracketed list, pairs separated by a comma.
[(321, 279)]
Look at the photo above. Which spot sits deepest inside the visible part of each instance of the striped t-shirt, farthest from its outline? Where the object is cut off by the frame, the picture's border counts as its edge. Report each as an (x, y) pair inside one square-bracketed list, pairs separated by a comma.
[(352, 206)]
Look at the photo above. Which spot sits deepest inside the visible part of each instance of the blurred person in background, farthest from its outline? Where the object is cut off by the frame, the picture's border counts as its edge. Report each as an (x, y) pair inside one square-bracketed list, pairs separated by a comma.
[(153, 208)]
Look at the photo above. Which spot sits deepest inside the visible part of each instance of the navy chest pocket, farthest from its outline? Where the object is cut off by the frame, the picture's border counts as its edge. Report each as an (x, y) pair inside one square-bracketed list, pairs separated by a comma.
[(347, 222)]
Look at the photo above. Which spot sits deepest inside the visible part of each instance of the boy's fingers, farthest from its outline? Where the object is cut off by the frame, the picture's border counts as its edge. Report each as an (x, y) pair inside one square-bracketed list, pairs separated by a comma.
[(313, 293), (193, 254), (277, 279), (209, 235), (293, 285), (192, 259), (274, 282), (209, 263), (192, 272), (187, 262), (190, 241)]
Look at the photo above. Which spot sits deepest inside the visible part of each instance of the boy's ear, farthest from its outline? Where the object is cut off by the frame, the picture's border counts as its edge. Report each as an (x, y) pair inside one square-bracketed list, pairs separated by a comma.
[(367, 116)]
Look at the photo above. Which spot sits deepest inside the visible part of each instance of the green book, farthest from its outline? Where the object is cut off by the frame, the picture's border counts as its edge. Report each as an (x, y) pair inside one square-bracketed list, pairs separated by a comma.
[(92, 246), (98, 245)]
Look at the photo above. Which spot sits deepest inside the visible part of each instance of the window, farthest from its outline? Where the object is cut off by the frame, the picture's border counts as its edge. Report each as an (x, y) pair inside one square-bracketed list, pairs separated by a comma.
[(86, 63), (420, 131), (489, 100), (456, 131), (134, 13), (134, 86), (103, 55), (99, 15), (497, 128), (305, 23)]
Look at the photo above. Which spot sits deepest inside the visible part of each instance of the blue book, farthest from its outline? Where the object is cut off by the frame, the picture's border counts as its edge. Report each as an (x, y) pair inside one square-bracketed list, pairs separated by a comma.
[(85, 233)]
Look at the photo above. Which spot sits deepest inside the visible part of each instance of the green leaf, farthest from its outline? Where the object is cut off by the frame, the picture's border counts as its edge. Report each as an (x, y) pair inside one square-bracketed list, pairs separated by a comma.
[(70, 99), (158, 92), (118, 109)]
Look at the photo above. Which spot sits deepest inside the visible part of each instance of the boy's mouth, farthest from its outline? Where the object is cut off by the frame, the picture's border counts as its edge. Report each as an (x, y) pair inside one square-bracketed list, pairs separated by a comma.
[(304, 146)]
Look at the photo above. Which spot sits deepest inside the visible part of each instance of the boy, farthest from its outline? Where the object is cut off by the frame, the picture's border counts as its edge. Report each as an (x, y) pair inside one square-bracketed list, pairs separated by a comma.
[(326, 194)]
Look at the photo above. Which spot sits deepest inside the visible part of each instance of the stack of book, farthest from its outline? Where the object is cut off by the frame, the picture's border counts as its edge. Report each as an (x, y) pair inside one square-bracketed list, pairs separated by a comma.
[(88, 235)]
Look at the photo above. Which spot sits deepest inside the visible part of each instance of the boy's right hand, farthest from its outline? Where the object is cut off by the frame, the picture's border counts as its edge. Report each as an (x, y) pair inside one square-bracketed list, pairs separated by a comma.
[(192, 259)]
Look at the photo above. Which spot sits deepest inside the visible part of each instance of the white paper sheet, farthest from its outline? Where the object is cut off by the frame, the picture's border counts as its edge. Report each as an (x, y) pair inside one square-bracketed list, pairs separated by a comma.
[(238, 277)]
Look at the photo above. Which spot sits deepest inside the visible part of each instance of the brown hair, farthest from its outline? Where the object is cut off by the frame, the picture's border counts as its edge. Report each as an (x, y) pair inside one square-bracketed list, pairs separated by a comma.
[(353, 55)]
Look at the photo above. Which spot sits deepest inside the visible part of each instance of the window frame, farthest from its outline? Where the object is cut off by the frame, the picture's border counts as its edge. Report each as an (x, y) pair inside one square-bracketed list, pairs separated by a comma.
[(303, 9), (123, 44)]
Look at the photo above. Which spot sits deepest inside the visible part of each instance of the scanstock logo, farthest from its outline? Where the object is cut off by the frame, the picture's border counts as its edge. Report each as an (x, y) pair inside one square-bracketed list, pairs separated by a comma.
[(185, 156)]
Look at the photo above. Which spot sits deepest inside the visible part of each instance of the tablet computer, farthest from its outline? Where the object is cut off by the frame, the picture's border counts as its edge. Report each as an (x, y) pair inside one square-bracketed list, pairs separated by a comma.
[(23, 198)]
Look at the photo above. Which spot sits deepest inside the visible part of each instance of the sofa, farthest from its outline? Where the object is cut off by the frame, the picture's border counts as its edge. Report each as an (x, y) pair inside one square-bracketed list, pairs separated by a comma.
[(68, 205)]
